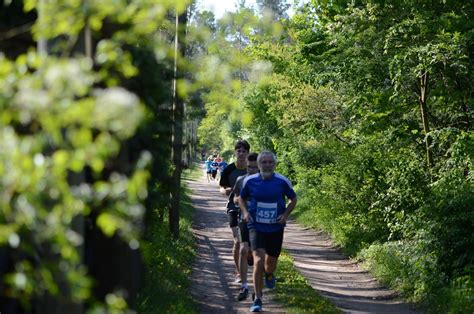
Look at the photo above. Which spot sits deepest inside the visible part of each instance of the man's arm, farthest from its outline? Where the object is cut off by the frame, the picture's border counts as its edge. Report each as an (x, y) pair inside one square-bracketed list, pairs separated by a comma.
[(225, 190), (236, 191), (289, 208), (243, 208), (224, 183)]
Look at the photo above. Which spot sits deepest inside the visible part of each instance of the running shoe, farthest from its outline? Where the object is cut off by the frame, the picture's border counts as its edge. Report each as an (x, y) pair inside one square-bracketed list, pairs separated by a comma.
[(256, 306), (250, 259), (243, 294), (270, 281), (237, 278)]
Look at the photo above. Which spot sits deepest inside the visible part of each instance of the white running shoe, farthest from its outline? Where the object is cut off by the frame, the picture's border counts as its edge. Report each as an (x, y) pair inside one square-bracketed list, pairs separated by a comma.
[(237, 278)]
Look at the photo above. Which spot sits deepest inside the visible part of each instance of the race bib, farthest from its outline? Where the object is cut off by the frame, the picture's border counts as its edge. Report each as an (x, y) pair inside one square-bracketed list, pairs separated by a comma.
[(267, 212)]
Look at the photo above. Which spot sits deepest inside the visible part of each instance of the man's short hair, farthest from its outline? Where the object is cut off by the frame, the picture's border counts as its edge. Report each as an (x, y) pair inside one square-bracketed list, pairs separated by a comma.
[(266, 152), (242, 144), (252, 157)]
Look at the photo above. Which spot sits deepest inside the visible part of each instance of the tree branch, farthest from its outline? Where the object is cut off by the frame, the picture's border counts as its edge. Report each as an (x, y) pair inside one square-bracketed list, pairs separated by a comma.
[(15, 31)]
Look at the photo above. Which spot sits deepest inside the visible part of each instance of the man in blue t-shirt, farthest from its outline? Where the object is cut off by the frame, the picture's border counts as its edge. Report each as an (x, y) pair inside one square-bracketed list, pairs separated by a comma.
[(214, 166), (207, 164), (222, 165), (264, 205)]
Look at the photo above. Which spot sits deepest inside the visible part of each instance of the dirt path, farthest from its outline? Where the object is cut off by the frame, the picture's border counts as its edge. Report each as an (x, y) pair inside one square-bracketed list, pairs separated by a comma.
[(328, 271), (336, 277), (212, 279)]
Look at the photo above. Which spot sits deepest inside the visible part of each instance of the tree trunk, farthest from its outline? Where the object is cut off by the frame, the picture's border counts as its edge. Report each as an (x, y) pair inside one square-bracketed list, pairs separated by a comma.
[(424, 116), (178, 113)]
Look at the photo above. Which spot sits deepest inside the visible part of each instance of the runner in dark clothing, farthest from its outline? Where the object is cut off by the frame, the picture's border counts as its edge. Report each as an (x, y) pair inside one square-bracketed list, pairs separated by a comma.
[(246, 258), (228, 178)]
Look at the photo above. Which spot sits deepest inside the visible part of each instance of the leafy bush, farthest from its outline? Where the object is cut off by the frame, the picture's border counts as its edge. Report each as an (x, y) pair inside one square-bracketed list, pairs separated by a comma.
[(457, 297), (53, 130), (406, 266)]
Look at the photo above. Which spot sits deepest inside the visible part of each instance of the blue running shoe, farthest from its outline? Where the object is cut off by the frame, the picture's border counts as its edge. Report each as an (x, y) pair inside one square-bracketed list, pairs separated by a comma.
[(256, 306), (270, 281)]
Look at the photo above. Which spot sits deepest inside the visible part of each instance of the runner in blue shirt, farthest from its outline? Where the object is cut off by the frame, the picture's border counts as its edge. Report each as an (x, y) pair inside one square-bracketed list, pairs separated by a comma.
[(214, 166), (221, 167), (267, 193), (208, 168)]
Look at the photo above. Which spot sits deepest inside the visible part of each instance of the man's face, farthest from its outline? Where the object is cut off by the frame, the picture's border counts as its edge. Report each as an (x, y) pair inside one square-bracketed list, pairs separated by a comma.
[(252, 167), (241, 155), (267, 166)]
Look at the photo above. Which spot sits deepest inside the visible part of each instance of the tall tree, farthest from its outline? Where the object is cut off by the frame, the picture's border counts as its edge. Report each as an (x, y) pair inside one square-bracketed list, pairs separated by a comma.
[(278, 9), (178, 115)]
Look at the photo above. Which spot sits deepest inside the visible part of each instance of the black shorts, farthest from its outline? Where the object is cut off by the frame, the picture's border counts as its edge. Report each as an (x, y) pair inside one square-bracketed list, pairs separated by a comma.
[(244, 232), (208, 171), (214, 173), (233, 216), (271, 242)]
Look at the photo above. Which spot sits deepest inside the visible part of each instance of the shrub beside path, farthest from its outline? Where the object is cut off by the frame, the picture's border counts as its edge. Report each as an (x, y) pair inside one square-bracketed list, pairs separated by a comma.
[(327, 270)]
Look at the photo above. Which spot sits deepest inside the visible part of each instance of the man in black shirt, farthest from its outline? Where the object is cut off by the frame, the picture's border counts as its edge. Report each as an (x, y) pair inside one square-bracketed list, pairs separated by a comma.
[(228, 178)]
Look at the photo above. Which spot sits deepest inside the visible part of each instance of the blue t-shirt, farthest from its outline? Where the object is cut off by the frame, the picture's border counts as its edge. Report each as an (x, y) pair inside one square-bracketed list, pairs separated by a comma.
[(266, 200), (222, 165), (208, 165)]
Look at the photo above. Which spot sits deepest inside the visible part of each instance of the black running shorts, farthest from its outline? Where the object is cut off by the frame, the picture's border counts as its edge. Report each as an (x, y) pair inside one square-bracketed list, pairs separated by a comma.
[(244, 232), (233, 216), (271, 242)]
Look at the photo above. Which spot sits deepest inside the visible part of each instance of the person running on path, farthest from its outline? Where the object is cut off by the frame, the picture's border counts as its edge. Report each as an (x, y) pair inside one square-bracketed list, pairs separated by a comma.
[(218, 159), (222, 165), (267, 193), (207, 164), (245, 259), (214, 166), (228, 178)]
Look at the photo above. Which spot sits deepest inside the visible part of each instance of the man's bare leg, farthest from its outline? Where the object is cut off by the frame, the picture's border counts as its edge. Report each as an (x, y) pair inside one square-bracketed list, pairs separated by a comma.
[(258, 269), (243, 266), (236, 249)]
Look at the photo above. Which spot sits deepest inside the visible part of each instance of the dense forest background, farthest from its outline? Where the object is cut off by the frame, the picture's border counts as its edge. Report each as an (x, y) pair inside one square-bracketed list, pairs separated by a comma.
[(367, 104)]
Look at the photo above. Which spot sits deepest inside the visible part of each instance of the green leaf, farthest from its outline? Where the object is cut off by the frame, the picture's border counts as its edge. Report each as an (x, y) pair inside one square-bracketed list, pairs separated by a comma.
[(108, 223)]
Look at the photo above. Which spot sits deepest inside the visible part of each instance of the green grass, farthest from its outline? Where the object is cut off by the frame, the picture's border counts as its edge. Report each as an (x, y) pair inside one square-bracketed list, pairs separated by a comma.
[(295, 294), (193, 173), (457, 297), (404, 268), (169, 262)]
